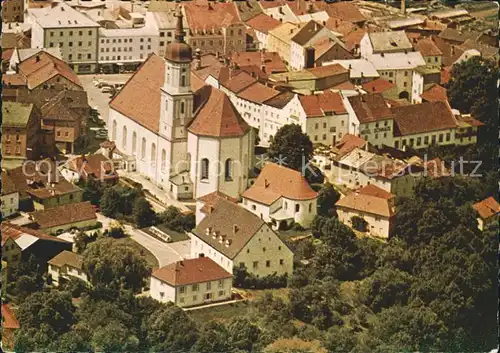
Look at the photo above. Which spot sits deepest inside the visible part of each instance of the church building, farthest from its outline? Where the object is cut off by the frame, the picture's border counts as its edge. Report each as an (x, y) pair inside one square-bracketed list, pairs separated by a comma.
[(188, 143)]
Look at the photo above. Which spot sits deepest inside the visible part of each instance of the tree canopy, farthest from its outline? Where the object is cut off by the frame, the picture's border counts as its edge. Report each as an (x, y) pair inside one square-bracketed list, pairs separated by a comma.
[(292, 146)]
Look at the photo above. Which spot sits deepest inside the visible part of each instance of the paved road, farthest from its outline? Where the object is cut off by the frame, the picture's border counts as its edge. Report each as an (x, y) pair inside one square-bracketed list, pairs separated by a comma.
[(164, 253)]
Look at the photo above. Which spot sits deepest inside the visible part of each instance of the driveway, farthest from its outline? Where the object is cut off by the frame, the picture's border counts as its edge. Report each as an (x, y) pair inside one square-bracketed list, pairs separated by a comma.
[(164, 253)]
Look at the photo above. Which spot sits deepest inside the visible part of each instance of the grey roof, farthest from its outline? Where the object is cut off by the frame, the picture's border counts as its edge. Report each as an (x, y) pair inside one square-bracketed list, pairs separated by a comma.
[(60, 16), (389, 41)]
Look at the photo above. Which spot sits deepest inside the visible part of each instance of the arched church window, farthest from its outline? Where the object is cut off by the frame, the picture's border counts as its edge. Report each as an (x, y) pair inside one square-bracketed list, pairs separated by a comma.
[(183, 81), (228, 171), (166, 104), (163, 159), (153, 154), (143, 148), (113, 131), (183, 108), (168, 78), (204, 169), (134, 143), (124, 138)]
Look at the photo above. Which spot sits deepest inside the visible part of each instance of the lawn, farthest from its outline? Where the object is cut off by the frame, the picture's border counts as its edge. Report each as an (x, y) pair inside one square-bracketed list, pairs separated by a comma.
[(221, 313), (150, 258)]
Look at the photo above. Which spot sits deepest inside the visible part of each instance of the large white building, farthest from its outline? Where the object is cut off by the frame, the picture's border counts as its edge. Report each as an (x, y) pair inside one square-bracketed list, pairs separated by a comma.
[(281, 196), (191, 282), (234, 237), (189, 143), (59, 25)]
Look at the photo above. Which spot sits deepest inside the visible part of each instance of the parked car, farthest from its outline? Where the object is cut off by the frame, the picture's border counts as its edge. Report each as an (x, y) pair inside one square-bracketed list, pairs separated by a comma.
[(107, 89)]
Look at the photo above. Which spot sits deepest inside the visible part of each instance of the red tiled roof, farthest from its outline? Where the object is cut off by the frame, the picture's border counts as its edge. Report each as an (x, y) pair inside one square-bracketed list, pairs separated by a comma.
[(140, 98), (263, 23), (377, 86), (353, 38), (319, 105), (348, 143), (216, 116), (258, 93), (64, 215), (209, 200), (347, 11), (370, 107), (435, 93), (9, 321), (14, 80), (370, 199), (340, 25), (199, 270), (7, 54), (421, 118), (239, 82), (445, 75), (96, 165), (328, 70), (270, 60), (210, 15), (43, 66), (427, 47), (275, 181), (487, 207), (346, 85), (10, 230)]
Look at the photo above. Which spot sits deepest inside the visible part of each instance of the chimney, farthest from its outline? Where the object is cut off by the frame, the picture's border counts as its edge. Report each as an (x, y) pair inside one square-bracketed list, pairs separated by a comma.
[(403, 7), (263, 68), (235, 229), (266, 183), (181, 263), (291, 30), (253, 74), (37, 58), (281, 10), (452, 49), (382, 54), (309, 8), (210, 6)]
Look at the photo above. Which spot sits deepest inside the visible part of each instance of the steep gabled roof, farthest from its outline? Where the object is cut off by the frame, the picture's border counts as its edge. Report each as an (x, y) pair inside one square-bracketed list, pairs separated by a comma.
[(370, 199), (319, 105), (263, 23), (216, 116), (67, 258), (487, 207), (64, 215), (370, 107)]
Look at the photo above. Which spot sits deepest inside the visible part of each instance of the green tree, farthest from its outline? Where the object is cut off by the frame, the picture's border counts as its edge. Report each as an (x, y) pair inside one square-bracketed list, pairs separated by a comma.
[(116, 265), (292, 146), (327, 197), (170, 329), (72, 341), (53, 309), (110, 203), (143, 213), (174, 219), (213, 337), (82, 239), (385, 288), (114, 337), (339, 339), (243, 334)]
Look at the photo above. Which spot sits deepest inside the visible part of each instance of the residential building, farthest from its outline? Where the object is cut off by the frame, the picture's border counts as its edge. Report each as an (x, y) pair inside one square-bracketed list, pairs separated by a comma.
[(94, 166), (13, 11), (371, 118), (125, 48), (387, 89), (360, 167), (56, 220), (165, 22), (315, 79), (215, 27), (9, 197), (430, 51), (279, 40), (328, 49), (467, 130), (32, 243), (19, 55), (326, 118), (16, 35), (262, 24), (422, 125), (177, 135), (191, 282), (268, 62), (487, 210), (59, 25), (65, 266), (20, 133), (360, 70), (281, 196), (10, 325), (423, 77), (234, 237), (371, 203), (394, 57)]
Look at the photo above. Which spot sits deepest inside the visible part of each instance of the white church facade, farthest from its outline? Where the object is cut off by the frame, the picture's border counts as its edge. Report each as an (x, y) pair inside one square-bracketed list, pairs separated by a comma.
[(188, 143)]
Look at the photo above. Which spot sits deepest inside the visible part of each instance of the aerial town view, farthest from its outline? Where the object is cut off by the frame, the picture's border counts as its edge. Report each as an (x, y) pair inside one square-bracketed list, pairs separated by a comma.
[(276, 176)]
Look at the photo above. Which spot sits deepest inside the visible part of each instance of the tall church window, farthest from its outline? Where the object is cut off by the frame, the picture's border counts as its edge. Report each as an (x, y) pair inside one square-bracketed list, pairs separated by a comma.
[(134, 143), (168, 78), (166, 104), (183, 108), (113, 131), (153, 154), (163, 159), (204, 169), (183, 81), (228, 171), (143, 148), (124, 138)]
